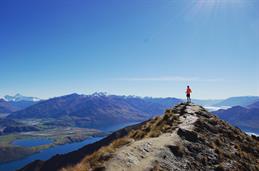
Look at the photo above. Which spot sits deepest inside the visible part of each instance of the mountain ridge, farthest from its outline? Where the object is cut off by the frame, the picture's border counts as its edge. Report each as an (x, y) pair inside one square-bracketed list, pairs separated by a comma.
[(18, 97), (242, 117), (95, 110), (186, 137), (13, 106), (254, 105), (238, 101), (6, 107)]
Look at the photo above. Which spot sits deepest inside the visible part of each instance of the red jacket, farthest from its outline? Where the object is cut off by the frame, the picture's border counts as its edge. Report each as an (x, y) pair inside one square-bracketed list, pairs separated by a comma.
[(188, 91)]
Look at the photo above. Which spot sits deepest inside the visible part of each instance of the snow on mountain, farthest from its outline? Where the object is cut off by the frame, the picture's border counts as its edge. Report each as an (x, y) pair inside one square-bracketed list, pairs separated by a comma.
[(18, 97)]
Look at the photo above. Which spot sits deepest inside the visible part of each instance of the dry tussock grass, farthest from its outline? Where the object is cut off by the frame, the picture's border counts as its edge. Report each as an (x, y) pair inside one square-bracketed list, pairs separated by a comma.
[(153, 128), (156, 126), (96, 159)]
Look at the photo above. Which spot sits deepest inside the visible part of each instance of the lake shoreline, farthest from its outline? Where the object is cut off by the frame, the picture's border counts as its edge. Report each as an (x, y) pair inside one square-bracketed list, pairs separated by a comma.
[(43, 154), (10, 151), (60, 149)]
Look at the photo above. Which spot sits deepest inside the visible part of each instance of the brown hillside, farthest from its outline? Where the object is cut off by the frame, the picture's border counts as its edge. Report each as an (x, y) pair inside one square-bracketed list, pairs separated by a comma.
[(186, 137)]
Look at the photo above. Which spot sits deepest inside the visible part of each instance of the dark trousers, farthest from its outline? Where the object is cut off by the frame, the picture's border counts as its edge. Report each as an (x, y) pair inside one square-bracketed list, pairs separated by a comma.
[(188, 98)]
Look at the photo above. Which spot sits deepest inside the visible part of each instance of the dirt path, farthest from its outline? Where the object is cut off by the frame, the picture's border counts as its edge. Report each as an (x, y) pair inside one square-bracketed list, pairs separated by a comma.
[(141, 155)]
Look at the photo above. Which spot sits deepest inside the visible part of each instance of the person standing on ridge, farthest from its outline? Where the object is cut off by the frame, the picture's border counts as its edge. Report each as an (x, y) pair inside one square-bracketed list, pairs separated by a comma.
[(188, 94)]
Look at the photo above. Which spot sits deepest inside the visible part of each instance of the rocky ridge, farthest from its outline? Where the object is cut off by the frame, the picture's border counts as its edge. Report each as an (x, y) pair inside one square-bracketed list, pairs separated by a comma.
[(186, 137)]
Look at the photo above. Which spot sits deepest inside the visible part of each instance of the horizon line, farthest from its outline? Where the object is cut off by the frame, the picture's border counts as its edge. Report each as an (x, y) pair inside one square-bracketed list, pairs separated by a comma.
[(129, 95)]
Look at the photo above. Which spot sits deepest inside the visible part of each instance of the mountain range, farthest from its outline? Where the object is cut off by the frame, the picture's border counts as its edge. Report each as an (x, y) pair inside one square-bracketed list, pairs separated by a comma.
[(10, 104), (186, 137), (238, 101), (209, 102), (100, 109), (6, 107), (18, 101), (95, 110), (254, 105), (246, 118), (18, 97)]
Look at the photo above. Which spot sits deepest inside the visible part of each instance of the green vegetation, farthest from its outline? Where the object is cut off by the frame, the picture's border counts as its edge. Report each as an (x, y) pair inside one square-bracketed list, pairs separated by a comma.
[(59, 136), (9, 153)]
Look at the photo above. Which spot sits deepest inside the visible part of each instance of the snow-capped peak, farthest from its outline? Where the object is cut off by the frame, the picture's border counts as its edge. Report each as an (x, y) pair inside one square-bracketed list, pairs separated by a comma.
[(19, 97), (99, 94)]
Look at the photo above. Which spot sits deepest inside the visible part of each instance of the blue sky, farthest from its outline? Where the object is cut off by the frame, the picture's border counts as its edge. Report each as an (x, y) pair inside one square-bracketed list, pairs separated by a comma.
[(133, 47)]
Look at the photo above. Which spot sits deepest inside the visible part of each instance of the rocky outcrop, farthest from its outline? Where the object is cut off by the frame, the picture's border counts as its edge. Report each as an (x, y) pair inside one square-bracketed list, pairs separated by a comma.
[(186, 137)]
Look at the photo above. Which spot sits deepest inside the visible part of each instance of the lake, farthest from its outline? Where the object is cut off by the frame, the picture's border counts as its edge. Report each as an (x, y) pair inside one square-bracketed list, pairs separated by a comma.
[(32, 142), (48, 153)]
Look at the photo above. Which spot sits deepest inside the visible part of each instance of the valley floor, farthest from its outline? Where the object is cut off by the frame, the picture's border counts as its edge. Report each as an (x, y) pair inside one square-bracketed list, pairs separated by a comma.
[(9, 151)]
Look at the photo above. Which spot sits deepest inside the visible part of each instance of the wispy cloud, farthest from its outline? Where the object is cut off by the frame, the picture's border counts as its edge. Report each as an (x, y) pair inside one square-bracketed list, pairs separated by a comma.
[(171, 78)]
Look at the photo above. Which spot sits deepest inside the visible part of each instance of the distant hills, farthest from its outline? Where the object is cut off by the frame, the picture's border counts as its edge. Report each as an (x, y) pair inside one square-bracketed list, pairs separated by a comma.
[(100, 109), (232, 101), (254, 105), (10, 104), (6, 107), (209, 102), (8, 122), (10, 126), (238, 101), (245, 118), (19, 101), (18, 97), (95, 110)]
